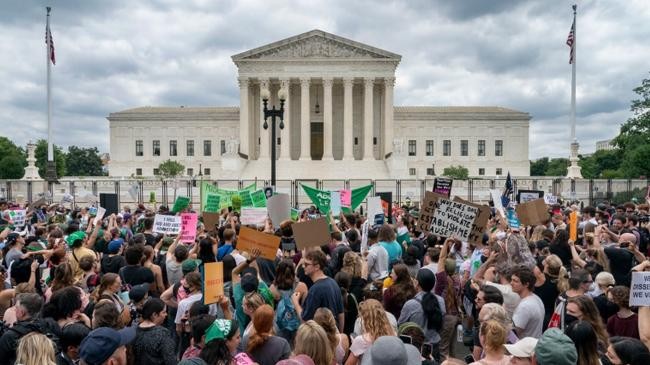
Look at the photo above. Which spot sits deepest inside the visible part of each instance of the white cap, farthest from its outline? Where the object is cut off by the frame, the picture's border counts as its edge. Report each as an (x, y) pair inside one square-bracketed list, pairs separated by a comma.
[(523, 348)]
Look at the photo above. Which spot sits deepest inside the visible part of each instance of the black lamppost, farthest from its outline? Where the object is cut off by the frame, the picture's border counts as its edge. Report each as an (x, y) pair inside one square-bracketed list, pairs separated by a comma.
[(273, 113)]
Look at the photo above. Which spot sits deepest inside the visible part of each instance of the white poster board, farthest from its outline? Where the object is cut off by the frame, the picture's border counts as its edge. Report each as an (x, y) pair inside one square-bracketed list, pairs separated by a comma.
[(640, 289), (253, 216), (453, 219), (550, 199), (167, 224), (17, 216), (100, 214), (279, 208)]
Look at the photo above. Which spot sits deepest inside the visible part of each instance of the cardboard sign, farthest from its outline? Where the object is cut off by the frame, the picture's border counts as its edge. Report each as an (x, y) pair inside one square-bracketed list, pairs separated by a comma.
[(525, 196), (212, 203), (513, 221), (479, 223), (182, 202), (188, 227), (279, 208), (167, 224), (249, 239), (550, 199), (312, 233), (37, 204), (453, 219), (259, 199), (429, 205), (442, 186), (346, 198), (532, 213), (99, 215), (210, 220), (573, 226), (253, 216), (640, 289), (17, 216), (212, 282), (335, 203)]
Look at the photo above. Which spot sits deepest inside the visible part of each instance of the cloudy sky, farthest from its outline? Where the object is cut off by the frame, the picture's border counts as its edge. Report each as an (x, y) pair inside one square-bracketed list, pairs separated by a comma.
[(118, 54)]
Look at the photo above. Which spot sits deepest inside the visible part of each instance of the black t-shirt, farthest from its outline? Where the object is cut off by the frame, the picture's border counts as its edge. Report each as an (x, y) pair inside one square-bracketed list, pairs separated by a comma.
[(112, 264), (605, 307), (621, 261), (548, 293), (563, 251), (323, 293), (150, 239), (136, 275)]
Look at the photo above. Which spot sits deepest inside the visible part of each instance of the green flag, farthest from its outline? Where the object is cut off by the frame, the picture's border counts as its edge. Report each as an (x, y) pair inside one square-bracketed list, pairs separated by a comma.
[(181, 203), (321, 198), (358, 195)]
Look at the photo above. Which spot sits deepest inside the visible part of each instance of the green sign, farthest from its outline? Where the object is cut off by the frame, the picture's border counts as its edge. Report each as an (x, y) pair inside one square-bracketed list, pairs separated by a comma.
[(213, 203), (182, 202), (246, 200), (225, 195), (321, 198), (259, 199)]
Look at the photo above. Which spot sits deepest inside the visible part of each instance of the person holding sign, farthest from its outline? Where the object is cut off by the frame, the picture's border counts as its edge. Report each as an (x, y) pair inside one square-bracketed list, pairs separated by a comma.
[(245, 280)]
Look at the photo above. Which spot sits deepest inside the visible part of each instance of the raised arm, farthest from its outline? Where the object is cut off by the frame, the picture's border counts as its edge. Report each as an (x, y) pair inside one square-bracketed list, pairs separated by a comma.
[(443, 254), (575, 256)]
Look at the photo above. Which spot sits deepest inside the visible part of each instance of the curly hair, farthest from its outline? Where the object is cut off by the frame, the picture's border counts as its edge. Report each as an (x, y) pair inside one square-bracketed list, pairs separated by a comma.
[(352, 264), (263, 323), (403, 288), (374, 319), (620, 296)]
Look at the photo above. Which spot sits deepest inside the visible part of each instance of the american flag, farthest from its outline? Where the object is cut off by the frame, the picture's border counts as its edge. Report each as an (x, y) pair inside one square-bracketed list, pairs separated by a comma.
[(507, 193), (570, 41), (49, 41)]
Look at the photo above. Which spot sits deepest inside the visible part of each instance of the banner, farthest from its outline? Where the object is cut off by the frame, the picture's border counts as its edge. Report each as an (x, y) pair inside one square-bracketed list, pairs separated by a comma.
[(212, 282), (321, 198), (442, 186), (259, 198), (181, 203), (640, 289), (279, 208), (225, 195), (312, 233), (253, 216), (453, 219), (212, 203), (188, 227), (167, 224), (249, 239)]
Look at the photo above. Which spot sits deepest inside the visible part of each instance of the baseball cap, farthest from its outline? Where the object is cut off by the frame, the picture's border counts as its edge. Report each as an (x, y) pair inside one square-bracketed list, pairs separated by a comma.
[(114, 245), (190, 265), (523, 348), (249, 283), (390, 350), (138, 292), (555, 348), (102, 342)]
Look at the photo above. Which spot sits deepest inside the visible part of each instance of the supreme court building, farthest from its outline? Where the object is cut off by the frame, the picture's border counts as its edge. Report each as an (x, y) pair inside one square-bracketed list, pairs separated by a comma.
[(340, 123)]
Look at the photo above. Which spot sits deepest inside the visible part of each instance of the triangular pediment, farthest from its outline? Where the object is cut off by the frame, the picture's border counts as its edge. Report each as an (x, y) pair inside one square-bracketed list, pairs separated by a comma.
[(316, 44)]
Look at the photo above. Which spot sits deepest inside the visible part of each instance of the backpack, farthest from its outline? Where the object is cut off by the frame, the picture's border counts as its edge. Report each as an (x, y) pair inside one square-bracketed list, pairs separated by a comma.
[(286, 316)]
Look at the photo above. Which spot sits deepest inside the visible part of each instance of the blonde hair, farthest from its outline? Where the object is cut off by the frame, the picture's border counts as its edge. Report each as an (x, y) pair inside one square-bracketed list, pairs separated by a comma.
[(309, 341), (352, 264), (374, 319), (253, 300), (537, 234), (494, 335), (35, 349), (325, 318), (495, 312), (557, 272)]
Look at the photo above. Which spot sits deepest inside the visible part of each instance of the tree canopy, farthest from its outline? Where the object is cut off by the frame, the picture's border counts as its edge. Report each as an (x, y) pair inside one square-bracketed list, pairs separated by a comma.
[(41, 159), (456, 172), (83, 162), (170, 169), (12, 160)]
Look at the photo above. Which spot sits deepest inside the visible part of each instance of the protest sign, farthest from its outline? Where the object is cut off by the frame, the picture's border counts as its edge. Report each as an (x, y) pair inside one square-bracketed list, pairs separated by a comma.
[(532, 213), (167, 224), (429, 205), (210, 220), (188, 227), (224, 194), (335, 203), (17, 216), (442, 186), (259, 198), (346, 197), (640, 289), (182, 202), (99, 215), (269, 191), (496, 199), (253, 216), (573, 226), (525, 196), (550, 199), (279, 208), (212, 282), (453, 219), (312, 233), (134, 192), (374, 207), (212, 203), (37, 204), (249, 239), (67, 198), (246, 200), (513, 221), (387, 204), (479, 223)]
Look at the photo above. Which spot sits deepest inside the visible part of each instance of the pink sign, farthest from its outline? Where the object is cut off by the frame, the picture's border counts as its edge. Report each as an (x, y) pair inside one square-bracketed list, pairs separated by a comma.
[(188, 227), (346, 198)]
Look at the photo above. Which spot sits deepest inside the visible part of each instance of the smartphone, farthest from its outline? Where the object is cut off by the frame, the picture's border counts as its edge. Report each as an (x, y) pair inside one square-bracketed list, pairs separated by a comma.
[(406, 339), (427, 348)]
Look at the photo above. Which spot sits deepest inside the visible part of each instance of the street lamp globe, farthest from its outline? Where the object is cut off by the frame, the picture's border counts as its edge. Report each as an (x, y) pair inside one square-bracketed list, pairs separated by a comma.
[(265, 94), (282, 94)]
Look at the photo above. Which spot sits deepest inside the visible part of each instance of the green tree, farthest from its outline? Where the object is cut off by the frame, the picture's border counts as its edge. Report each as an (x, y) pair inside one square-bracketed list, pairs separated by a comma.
[(557, 167), (41, 159), (83, 162), (601, 160), (539, 166), (170, 169), (456, 172), (12, 160)]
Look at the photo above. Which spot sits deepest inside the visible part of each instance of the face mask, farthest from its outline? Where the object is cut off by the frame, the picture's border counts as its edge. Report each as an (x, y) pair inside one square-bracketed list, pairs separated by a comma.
[(568, 319)]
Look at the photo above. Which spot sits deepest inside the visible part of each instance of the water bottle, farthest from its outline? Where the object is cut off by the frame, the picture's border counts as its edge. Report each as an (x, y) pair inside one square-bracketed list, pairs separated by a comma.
[(459, 333)]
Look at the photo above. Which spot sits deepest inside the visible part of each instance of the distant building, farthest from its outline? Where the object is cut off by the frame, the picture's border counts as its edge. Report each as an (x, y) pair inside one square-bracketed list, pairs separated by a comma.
[(604, 145)]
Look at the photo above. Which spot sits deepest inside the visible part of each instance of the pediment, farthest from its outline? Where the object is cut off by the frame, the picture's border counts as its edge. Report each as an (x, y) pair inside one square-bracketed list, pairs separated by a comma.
[(316, 45)]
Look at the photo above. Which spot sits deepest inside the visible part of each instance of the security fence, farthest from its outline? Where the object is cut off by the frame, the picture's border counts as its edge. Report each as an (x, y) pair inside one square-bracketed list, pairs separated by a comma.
[(78, 191)]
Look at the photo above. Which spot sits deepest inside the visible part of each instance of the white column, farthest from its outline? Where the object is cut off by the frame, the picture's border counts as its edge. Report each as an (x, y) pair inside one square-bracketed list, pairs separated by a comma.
[(244, 122), (305, 130), (368, 119), (285, 134), (389, 83), (348, 140), (327, 119), (264, 133)]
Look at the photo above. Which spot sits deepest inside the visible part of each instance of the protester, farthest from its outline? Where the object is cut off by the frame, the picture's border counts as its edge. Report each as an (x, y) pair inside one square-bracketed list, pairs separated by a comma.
[(153, 343), (262, 346)]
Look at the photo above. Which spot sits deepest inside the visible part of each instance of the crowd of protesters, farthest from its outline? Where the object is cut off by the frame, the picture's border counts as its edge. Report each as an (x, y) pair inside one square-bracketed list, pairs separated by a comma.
[(80, 290)]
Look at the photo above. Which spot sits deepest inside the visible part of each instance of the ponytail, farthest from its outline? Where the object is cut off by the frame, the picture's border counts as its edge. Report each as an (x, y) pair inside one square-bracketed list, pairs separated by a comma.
[(563, 280), (432, 311)]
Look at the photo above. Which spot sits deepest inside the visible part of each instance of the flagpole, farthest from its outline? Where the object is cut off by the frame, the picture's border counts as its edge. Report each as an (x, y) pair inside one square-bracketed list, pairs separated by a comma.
[(50, 147), (573, 172)]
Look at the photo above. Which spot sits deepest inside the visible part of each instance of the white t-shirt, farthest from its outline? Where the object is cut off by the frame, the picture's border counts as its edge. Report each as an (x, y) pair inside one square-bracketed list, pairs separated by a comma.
[(510, 298), (185, 305), (529, 316)]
